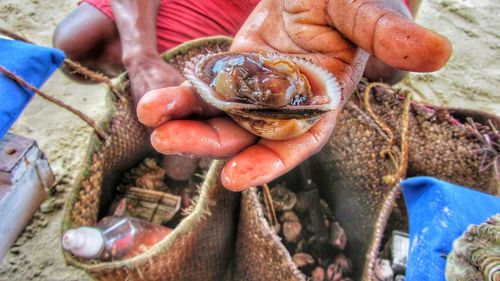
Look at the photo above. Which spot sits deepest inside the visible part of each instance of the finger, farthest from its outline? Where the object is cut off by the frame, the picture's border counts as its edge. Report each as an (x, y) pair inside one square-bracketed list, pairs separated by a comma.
[(385, 29), (161, 105), (300, 28), (269, 159), (263, 31), (216, 138)]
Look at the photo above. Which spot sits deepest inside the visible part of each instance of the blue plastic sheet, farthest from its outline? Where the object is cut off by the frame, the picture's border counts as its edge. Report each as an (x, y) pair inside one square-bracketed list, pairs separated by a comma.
[(439, 212), (34, 64)]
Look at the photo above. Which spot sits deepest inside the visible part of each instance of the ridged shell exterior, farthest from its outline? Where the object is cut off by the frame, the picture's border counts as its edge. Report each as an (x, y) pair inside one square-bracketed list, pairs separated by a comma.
[(476, 254), (271, 123)]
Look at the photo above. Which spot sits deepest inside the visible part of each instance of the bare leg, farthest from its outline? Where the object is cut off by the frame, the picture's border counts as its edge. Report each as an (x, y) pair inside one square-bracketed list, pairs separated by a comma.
[(376, 70), (90, 38)]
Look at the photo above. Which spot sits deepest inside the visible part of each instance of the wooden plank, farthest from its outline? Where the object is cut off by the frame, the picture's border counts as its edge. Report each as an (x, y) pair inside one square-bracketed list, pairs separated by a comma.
[(25, 177), (13, 149)]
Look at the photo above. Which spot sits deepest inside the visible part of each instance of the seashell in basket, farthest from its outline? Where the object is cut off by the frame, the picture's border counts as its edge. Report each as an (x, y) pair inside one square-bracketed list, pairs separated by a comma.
[(273, 96), (476, 253)]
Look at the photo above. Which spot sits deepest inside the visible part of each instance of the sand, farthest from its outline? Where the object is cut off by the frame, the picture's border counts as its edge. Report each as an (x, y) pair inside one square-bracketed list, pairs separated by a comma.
[(61, 135), (470, 80)]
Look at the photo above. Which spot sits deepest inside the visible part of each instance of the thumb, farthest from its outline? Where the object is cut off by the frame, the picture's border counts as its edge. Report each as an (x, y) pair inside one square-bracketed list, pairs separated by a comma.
[(385, 29)]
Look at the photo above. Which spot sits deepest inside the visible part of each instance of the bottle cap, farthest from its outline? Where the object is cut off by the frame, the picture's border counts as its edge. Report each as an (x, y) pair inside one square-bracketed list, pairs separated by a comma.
[(85, 242)]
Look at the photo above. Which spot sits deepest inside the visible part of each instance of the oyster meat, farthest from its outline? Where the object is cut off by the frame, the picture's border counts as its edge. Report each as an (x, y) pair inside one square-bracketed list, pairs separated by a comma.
[(273, 96)]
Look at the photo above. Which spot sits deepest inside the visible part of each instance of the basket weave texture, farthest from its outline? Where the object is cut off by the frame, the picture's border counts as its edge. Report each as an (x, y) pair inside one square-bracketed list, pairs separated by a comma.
[(199, 248), (349, 172)]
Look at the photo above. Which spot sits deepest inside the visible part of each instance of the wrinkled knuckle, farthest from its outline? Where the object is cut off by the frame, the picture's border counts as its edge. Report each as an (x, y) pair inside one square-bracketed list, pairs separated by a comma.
[(297, 7)]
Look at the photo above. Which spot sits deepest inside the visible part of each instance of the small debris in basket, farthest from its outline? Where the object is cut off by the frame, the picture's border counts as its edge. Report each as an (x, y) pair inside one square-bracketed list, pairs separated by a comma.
[(391, 264), (337, 238), (383, 271), (147, 175), (283, 199), (297, 231), (343, 264), (400, 244), (318, 274), (144, 193), (399, 278)]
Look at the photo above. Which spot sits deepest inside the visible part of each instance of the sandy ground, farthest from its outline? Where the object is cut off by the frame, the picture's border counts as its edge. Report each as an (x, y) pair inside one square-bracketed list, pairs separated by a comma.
[(470, 80), (61, 135)]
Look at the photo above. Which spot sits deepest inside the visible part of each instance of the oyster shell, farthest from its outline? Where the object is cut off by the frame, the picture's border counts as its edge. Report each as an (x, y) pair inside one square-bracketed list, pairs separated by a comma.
[(283, 198), (476, 254), (273, 96)]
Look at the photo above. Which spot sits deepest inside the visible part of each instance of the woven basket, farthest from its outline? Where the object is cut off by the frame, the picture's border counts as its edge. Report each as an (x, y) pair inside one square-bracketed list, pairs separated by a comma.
[(199, 248), (349, 172)]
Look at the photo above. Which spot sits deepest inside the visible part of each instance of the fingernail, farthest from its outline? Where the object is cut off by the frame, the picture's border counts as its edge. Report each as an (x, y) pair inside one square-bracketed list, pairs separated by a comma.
[(152, 107), (160, 143)]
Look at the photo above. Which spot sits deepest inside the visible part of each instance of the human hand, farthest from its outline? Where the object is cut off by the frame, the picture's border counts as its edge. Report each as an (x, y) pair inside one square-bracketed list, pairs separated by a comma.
[(148, 72), (337, 34)]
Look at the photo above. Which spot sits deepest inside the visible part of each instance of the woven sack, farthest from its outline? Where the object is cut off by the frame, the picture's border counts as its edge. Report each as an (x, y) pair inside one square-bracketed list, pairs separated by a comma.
[(350, 173), (200, 247)]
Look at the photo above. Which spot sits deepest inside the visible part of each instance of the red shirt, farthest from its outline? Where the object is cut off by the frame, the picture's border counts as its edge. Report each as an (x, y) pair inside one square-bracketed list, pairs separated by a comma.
[(179, 21)]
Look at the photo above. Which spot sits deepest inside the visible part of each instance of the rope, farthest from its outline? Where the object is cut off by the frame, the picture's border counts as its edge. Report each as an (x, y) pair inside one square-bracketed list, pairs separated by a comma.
[(75, 67), (391, 180), (92, 75), (403, 160), (402, 164), (378, 121), (78, 113), (269, 202), (14, 36), (380, 224)]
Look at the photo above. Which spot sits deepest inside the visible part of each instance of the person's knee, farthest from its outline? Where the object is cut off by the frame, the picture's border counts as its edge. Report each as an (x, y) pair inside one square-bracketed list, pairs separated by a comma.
[(90, 38), (64, 39), (83, 33)]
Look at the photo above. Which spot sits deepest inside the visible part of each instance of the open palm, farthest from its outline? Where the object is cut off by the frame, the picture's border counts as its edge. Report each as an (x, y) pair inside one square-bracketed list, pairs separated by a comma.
[(336, 34)]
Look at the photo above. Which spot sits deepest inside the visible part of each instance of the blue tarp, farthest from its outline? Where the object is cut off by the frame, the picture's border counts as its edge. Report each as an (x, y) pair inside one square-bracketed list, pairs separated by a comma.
[(438, 213), (34, 64)]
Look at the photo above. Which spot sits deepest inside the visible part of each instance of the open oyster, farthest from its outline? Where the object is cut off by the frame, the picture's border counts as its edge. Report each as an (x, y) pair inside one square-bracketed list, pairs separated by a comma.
[(273, 96)]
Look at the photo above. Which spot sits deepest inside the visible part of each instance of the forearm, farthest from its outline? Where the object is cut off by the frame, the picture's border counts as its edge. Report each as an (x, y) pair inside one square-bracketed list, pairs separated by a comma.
[(136, 23)]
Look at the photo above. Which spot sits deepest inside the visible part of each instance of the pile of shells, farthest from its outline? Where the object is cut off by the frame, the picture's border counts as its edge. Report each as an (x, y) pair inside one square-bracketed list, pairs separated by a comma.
[(318, 260), (148, 175)]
